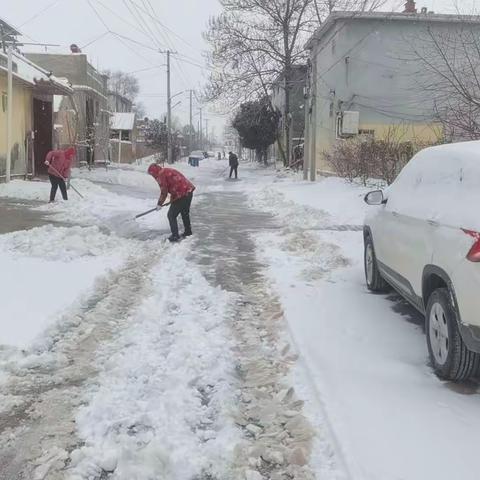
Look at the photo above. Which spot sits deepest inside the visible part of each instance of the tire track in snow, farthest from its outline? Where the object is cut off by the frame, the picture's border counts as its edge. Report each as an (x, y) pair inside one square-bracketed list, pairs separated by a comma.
[(277, 438), (36, 435)]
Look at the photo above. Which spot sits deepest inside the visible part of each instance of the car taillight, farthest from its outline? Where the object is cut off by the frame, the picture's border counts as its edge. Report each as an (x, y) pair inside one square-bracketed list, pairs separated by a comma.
[(474, 254)]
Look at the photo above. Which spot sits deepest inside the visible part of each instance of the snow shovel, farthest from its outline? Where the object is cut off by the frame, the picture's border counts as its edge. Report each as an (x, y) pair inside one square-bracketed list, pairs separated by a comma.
[(140, 215), (65, 180)]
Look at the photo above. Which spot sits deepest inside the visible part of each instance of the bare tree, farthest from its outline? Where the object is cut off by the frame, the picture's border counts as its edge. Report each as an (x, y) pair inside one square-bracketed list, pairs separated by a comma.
[(124, 84), (140, 109), (449, 74), (257, 43)]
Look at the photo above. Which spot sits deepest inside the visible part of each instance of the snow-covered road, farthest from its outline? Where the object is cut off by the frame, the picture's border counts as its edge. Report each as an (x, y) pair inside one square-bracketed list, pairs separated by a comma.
[(251, 351), (364, 356)]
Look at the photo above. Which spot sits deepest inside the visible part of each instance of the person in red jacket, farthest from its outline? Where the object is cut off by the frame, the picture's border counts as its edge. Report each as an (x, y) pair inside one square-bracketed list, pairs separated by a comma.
[(59, 163), (181, 190)]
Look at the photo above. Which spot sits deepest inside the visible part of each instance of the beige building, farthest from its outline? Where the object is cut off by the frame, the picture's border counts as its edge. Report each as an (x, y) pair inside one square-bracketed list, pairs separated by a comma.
[(32, 119)]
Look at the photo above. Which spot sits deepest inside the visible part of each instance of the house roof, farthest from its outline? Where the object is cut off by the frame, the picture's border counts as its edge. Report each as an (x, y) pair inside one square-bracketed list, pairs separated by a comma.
[(388, 16), (122, 121), (31, 74), (7, 29)]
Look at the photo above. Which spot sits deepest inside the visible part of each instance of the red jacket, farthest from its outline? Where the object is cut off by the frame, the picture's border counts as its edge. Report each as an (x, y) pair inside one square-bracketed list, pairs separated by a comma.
[(171, 182), (60, 162)]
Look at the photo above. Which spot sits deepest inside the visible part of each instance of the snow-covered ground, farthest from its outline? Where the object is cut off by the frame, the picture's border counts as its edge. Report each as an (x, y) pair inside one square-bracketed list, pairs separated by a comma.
[(126, 358), (364, 355)]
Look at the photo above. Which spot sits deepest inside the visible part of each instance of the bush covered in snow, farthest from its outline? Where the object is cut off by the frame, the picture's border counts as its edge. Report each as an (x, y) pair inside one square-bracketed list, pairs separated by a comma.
[(365, 157)]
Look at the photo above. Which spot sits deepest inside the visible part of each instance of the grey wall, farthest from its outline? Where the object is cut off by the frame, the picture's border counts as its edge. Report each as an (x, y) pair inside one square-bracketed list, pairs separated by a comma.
[(368, 65)]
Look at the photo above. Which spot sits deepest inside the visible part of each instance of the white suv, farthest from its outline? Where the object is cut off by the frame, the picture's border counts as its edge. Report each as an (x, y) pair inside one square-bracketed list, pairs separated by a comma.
[(423, 239)]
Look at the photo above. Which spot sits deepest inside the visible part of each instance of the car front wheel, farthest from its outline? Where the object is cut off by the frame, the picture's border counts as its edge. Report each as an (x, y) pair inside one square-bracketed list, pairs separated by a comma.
[(450, 357), (375, 282)]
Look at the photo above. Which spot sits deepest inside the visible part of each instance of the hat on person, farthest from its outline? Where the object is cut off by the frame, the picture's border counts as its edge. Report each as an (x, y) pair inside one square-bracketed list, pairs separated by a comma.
[(154, 169), (70, 153)]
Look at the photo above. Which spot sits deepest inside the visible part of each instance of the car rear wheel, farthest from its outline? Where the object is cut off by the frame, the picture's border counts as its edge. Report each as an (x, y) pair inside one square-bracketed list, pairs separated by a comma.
[(375, 282), (451, 359)]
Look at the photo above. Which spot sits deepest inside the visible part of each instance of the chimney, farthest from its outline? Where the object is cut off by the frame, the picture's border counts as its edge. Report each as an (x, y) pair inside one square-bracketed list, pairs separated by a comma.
[(410, 7)]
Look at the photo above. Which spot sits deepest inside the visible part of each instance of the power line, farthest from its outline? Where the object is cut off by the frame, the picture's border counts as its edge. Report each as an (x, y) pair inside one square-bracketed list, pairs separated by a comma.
[(96, 39), (155, 19), (146, 69), (106, 7), (50, 5), (141, 23)]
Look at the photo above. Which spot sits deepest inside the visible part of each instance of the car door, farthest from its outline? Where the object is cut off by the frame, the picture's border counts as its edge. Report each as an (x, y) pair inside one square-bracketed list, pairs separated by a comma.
[(407, 240)]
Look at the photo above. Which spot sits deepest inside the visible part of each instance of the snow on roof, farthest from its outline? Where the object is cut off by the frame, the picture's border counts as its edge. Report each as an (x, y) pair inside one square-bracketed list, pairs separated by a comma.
[(461, 20), (32, 74), (122, 121)]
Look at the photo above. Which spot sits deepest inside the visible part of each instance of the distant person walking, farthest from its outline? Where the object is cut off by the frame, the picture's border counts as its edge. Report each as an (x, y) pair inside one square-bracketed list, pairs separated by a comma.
[(59, 163), (181, 190), (233, 162)]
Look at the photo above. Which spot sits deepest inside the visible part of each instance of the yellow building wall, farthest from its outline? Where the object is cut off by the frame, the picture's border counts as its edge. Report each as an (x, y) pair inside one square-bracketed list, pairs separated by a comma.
[(420, 134), (22, 123)]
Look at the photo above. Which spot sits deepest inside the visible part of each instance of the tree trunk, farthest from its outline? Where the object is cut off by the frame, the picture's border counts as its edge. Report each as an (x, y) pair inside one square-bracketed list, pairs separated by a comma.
[(287, 120)]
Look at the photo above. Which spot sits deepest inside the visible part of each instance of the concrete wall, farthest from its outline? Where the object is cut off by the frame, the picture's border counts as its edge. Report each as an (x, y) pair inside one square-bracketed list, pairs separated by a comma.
[(90, 88), (73, 67), (22, 124), (117, 103), (363, 65)]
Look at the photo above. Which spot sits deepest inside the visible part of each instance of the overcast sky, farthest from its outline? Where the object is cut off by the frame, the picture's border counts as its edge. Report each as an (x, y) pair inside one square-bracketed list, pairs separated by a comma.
[(179, 26)]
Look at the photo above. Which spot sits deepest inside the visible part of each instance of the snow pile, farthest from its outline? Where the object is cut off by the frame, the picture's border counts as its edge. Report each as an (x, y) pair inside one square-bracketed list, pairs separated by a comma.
[(46, 269), (62, 243), (330, 201), (134, 176), (97, 207), (25, 190), (160, 409)]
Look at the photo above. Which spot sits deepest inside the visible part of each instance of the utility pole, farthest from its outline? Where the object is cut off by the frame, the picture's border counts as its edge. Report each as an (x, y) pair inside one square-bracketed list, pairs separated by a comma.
[(313, 125), (201, 130), (190, 137), (206, 132), (119, 147), (9, 112), (169, 112)]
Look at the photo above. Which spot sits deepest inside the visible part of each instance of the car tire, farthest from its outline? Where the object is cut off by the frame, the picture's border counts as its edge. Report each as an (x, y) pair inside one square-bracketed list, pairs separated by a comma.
[(450, 357), (374, 279)]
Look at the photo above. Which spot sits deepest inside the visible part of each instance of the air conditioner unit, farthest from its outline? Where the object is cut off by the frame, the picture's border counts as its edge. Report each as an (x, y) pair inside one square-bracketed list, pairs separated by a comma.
[(350, 122)]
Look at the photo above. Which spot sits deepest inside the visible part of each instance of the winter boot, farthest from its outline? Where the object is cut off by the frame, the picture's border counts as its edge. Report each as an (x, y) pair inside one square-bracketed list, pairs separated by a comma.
[(173, 238)]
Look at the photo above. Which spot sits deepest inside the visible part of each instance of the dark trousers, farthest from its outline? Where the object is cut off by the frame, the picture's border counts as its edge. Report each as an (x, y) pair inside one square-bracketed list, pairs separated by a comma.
[(233, 168), (180, 207), (57, 182)]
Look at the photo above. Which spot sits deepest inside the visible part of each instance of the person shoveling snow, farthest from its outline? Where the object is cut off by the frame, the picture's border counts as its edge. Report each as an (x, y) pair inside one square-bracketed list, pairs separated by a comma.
[(181, 191), (59, 163)]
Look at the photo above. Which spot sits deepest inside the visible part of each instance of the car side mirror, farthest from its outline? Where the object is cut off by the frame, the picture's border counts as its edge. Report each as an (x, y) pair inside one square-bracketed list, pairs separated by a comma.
[(375, 198)]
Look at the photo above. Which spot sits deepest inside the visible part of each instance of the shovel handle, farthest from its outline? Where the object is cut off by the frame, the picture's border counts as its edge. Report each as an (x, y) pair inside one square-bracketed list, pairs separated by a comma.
[(145, 213), (65, 180), (151, 211)]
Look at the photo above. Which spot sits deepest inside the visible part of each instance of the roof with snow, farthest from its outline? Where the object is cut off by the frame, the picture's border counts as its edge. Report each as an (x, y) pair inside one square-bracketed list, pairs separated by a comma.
[(122, 121), (429, 17), (31, 74)]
